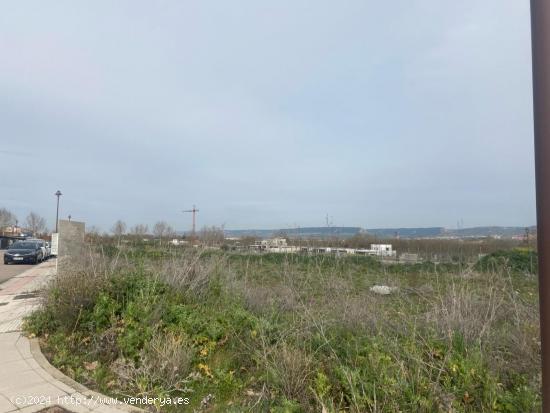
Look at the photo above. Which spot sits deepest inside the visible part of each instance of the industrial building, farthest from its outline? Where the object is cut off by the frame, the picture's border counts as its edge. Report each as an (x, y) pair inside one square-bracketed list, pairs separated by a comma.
[(280, 245)]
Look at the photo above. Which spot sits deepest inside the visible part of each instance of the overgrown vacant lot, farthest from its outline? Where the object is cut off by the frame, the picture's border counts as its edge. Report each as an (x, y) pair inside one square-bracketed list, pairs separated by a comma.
[(291, 333)]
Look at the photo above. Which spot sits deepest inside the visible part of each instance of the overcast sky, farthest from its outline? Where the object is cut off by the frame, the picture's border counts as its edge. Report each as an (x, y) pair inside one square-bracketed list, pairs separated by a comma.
[(268, 114)]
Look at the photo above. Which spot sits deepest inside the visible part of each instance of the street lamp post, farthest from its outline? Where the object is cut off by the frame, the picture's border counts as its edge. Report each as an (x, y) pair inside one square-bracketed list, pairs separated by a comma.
[(57, 194)]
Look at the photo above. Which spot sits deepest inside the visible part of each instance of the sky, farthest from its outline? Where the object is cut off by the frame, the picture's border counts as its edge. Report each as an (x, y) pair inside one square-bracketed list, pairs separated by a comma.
[(268, 114)]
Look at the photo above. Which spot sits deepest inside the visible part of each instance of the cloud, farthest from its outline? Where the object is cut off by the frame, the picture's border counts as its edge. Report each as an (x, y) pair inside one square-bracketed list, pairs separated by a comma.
[(408, 113)]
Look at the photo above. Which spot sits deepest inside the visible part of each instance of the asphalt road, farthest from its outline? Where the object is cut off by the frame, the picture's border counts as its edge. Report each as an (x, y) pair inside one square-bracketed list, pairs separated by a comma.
[(8, 271)]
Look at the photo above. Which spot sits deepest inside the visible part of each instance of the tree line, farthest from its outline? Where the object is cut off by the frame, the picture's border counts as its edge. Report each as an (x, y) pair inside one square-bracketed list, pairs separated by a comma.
[(34, 222)]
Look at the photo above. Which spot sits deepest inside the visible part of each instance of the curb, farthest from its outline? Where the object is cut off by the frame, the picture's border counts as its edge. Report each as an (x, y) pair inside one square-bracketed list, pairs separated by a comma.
[(39, 357)]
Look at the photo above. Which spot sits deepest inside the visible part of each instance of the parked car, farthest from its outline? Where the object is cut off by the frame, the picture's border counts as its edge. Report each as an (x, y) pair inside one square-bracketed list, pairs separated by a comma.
[(24, 252), (43, 246)]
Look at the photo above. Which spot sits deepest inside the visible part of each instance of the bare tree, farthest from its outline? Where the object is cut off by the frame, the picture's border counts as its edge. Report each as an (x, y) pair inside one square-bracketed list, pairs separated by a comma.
[(119, 229), (139, 230), (7, 218), (92, 233), (36, 223), (94, 230), (212, 235), (162, 229), (170, 231)]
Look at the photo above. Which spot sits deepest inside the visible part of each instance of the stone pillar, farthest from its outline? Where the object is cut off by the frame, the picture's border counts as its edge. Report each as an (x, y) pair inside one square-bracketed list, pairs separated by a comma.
[(71, 240)]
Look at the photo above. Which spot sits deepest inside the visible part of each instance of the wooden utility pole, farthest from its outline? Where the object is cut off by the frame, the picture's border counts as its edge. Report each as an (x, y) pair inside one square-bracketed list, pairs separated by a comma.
[(540, 39)]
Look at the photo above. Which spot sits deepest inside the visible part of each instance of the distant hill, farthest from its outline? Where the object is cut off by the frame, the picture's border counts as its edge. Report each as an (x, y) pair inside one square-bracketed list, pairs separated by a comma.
[(309, 232), (406, 232), (440, 232), (491, 231), (344, 232)]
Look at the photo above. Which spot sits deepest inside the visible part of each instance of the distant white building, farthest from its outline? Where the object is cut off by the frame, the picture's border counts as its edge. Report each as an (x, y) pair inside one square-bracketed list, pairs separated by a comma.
[(267, 244), (274, 242), (280, 245), (379, 250), (327, 250), (274, 245), (176, 241), (383, 250)]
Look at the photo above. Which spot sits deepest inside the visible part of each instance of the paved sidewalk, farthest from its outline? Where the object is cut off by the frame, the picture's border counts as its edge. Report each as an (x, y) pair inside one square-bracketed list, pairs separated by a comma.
[(17, 295), (27, 382)]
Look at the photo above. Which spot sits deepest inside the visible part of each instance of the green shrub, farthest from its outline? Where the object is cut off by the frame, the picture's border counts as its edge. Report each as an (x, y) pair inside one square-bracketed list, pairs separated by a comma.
[(296, 333), (519, 261)]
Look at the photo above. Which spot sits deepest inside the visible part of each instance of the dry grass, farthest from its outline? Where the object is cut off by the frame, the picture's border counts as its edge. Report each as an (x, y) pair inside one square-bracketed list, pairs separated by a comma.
[(190, 272), (289, 368), (467, 309), (303, 313), (165, 361)]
